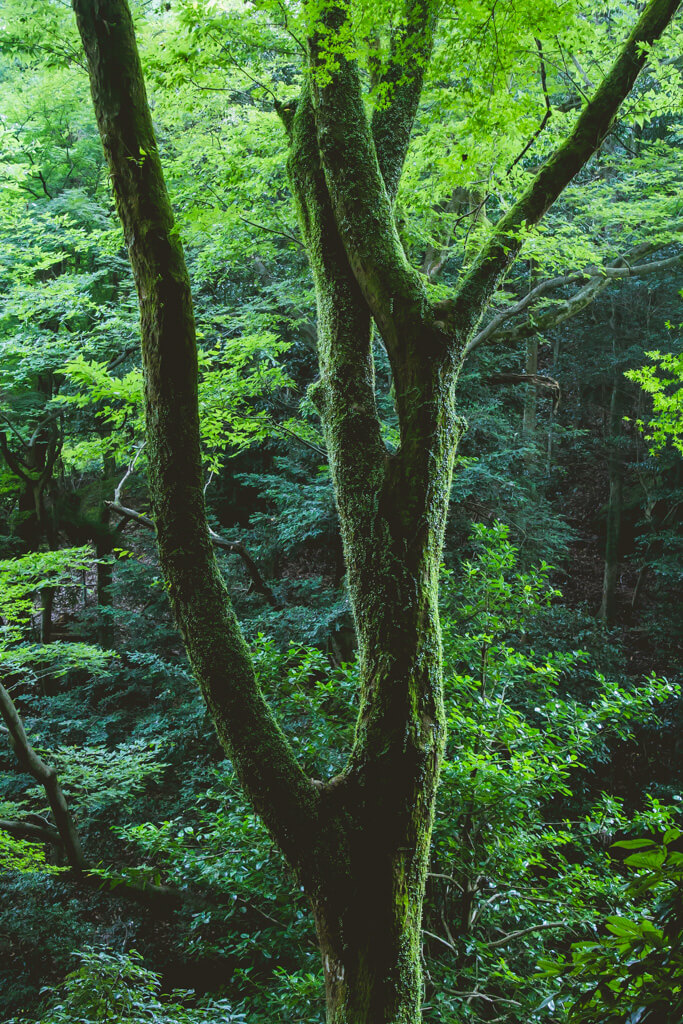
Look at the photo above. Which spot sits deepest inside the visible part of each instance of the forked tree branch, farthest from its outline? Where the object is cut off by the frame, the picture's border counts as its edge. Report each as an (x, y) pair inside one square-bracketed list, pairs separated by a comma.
[(591, 127), (393, 290), (234, 547), (594, 279)]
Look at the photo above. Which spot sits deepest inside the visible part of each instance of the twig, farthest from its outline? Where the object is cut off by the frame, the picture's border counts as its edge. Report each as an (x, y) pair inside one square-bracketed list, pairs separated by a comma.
[(497, 943), (273, 231), (129, 472)]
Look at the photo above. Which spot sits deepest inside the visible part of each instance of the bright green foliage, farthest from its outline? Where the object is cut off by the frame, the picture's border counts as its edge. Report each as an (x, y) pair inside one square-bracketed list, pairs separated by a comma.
[(535, 735), (20, 579), (97, 777), (635, 968), (663, 381), (512, 869), (234, 379), (22, 857)]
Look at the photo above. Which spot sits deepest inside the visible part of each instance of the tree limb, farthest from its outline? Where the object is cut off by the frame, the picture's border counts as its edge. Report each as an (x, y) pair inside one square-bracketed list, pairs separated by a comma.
[(400, 88), (497, 943), (31, 831), (47, 777), (235, 547), (264, 760), (360, 200), (538, 380), (591, 127), (598, 279)]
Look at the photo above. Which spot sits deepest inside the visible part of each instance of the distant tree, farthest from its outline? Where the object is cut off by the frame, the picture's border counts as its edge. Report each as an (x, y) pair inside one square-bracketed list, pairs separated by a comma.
[(359, 843)]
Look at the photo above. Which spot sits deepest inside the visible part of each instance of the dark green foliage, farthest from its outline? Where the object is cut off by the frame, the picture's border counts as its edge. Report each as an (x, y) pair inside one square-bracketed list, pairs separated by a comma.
[(552, 753)]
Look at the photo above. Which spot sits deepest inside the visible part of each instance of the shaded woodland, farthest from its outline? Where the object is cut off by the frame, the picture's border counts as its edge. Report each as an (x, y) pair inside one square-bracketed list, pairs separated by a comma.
[(430, 263)]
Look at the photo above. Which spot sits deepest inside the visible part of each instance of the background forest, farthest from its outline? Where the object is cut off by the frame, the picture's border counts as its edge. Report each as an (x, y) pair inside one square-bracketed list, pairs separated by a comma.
[(137, 883)]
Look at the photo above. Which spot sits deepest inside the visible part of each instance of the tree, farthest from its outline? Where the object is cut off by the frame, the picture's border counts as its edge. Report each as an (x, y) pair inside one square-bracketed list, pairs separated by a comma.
[(359, 843)]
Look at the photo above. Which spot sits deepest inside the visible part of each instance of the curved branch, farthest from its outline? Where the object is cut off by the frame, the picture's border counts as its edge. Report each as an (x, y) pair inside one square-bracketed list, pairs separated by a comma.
[(591, 127), (13, 462), (234, 547), (263, 758), (32, 831), (47, 777), (598, 279)]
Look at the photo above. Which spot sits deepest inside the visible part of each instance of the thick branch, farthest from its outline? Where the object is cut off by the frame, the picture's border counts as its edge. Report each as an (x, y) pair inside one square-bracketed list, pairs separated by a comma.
[(361, 203), (590, 129), (263, 758), (400, 88), (31, 831), (234, 547)]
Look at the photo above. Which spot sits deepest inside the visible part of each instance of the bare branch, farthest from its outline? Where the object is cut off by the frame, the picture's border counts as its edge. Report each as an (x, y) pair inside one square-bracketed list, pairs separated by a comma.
[(234, 547), (598, 279), (497, 943), (538, 380), (129, 471)]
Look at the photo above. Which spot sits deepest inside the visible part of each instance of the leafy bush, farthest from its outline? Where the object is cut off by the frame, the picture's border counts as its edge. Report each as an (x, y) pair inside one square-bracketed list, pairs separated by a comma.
[(117, 988)]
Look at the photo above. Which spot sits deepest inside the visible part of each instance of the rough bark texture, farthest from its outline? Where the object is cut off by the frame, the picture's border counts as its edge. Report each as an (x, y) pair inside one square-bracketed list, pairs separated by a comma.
[(368, 910), (360, 843), (267, 768)]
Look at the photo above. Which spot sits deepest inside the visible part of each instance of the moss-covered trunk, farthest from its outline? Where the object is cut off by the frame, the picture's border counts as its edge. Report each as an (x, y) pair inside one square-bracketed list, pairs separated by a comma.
[(392, 510), (368, 899)]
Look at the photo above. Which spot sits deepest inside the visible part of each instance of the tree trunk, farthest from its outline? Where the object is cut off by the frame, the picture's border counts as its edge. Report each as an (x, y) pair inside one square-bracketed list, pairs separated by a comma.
[(551, 415), (104, 545), (392, 511), (530, 402), (613, 531), (47, 598)]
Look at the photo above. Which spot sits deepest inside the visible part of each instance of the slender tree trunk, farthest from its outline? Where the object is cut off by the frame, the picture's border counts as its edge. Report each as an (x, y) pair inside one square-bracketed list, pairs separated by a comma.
[(47, 599), (613, 532), (551, 416), (530, 402), (103, 548)]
